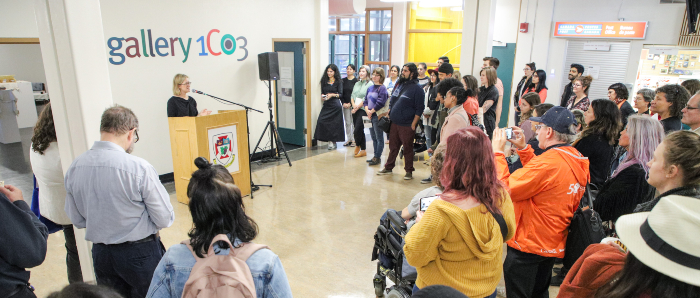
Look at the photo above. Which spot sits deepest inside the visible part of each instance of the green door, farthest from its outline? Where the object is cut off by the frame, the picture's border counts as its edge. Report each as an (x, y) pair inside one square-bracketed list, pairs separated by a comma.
[(290, 93), (506, 57)]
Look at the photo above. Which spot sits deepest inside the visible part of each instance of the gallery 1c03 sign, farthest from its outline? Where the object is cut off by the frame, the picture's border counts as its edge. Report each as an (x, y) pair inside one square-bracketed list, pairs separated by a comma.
[(164, 47)]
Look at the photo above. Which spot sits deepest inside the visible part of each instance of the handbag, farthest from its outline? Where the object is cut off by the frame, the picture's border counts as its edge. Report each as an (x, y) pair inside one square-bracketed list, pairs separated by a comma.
[(586, 228)]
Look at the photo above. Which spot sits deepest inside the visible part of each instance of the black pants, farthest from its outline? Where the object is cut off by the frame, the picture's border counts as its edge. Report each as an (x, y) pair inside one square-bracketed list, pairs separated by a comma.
[(527, 275), (128, 267), (25, 292), (75, 274), (359, 132)]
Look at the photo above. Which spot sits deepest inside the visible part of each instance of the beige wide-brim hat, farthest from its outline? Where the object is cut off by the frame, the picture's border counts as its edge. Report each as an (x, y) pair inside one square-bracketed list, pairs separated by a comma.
[(667, 239)]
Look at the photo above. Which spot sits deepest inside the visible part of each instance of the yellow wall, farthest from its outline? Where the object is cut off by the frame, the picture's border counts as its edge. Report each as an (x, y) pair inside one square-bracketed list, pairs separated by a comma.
[(428, 47)]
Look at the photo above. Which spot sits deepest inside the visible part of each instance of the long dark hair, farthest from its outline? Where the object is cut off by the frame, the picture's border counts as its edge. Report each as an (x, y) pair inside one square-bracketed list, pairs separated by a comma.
[(472, 83), (216, 207), (636, 279), (44, 131), (542, 75), (336, 74), (470, 169), (607, 121), (412, 76)]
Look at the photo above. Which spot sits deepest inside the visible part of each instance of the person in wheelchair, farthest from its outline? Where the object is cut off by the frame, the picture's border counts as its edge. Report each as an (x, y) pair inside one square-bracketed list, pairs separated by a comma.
[(458, 240), (393, 226)]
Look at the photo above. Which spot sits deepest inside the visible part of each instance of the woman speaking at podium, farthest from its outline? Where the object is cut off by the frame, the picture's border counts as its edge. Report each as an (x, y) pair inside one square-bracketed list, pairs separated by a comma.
[(181, 104)]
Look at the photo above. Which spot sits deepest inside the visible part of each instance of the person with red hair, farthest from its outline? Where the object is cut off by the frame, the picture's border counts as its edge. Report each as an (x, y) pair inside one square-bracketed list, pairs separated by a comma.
[(458, 241)]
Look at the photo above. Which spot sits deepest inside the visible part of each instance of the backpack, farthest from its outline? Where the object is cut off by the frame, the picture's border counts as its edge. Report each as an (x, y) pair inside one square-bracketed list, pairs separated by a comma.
[(222, 275), (586, 228)]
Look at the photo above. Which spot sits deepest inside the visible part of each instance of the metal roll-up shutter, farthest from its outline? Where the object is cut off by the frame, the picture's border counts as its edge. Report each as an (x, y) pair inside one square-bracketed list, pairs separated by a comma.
[(612, 64)]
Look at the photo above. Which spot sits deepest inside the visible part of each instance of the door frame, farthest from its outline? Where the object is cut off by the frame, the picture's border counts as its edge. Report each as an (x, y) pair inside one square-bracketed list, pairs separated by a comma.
[(307, 86)]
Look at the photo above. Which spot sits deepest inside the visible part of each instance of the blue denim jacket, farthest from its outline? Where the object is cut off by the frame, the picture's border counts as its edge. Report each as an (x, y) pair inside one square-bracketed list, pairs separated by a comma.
[(174, 269)]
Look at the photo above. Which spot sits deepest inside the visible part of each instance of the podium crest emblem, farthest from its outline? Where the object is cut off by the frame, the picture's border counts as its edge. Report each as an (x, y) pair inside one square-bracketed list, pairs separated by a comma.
[(223, 149)]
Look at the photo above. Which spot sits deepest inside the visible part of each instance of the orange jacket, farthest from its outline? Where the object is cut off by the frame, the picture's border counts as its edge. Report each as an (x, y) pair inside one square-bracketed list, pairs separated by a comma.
[(545, 194)]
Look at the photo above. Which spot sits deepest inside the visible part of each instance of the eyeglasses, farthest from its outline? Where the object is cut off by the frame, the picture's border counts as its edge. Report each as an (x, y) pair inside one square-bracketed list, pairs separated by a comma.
[(136, 134), (526, 69), (691, 108), (537, 127), (577, 85), (188, 83)]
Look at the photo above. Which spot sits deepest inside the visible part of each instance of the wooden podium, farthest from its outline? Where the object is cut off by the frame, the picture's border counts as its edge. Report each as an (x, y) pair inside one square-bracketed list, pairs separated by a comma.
[(221, 138)]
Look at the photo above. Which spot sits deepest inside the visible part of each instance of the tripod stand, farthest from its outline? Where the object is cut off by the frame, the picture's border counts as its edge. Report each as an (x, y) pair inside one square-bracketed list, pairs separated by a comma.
[(253, 186), (274, 135)]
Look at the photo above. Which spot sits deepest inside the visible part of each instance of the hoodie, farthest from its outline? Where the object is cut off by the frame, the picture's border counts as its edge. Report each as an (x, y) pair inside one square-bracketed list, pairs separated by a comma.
[(459, 248), (546, 192), (407, 101)]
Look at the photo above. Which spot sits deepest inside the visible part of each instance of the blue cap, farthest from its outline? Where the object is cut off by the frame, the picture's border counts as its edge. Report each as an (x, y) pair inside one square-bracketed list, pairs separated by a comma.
[(558, 118)]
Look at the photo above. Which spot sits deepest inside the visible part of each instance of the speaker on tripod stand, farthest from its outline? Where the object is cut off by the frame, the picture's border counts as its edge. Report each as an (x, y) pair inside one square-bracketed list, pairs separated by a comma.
[(268, 70)]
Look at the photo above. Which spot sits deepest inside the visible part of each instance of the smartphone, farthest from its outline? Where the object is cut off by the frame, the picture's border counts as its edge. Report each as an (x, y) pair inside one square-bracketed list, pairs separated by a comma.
[(425, 202), (324, 96), (509, 133)]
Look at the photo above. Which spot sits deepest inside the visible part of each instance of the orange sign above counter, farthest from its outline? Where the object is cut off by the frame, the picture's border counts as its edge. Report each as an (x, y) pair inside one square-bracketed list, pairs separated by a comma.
[(610, 30)]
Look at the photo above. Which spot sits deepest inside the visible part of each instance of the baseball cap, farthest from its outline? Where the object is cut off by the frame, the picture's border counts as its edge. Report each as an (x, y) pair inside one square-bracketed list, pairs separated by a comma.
[(446, 68), (558, 118)]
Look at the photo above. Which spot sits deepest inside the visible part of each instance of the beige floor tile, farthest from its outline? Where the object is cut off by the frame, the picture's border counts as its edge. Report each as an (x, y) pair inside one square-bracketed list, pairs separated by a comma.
[(319, 217)]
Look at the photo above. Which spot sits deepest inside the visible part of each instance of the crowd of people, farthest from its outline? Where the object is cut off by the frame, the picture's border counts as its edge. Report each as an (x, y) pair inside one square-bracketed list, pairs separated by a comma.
[(521, 186)]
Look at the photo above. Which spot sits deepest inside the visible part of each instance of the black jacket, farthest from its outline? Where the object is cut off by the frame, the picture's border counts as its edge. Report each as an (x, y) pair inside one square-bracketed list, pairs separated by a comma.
[(516, 96), (626, 110), (686, 191), (23, 244), (672, 124), (622, 193), (568, 92), (599, 153)]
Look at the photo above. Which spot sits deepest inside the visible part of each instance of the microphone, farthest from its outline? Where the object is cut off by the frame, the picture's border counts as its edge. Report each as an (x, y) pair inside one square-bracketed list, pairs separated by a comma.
[(197, 91)]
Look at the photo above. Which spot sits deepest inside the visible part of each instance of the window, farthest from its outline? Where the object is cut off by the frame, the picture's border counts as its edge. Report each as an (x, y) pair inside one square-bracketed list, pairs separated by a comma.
[(434, 32), (361, 39)]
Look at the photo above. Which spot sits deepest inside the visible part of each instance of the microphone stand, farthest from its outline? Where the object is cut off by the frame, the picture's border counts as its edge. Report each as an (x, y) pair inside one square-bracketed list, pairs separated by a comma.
[(253, 186)]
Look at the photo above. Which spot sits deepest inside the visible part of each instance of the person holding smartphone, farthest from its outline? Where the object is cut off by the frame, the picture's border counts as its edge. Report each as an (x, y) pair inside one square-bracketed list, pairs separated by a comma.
[(458, 241)]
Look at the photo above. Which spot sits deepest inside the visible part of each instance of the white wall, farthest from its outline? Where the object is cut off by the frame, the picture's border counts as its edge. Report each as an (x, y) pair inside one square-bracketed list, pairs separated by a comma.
[(664, 27), (18, 19), (145, 84), (23, 61), (506, 24)]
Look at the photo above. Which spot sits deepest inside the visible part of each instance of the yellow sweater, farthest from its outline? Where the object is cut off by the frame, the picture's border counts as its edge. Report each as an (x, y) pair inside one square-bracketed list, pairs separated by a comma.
[(459, 248)]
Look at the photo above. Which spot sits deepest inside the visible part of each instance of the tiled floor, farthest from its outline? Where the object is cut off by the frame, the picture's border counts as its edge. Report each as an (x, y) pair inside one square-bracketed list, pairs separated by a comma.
[(319, 217)]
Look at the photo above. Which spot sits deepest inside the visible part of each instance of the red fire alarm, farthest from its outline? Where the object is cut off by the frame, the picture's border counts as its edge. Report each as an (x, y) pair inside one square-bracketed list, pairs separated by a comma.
[(523, 27)]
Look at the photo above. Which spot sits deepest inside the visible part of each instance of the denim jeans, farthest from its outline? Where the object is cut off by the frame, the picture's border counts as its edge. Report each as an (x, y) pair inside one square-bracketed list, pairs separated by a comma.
[(377, 137), (428, 135), (128, 267)]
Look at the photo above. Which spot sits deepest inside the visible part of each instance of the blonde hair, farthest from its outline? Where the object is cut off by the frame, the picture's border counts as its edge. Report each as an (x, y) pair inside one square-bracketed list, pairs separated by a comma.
[(491, 75), (380, 71), (177, 80)]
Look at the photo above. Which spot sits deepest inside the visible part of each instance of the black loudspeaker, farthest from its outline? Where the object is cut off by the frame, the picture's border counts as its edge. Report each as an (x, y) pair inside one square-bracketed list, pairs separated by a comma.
[(268, 66)]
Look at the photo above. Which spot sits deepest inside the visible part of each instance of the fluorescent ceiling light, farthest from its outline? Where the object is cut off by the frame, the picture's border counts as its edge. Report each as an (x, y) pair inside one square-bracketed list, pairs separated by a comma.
[(440, 3)]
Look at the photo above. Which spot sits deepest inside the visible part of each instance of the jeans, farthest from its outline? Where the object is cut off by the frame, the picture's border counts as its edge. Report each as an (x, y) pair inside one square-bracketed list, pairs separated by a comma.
[(75, 274), (428, 135), (128, 267), (398, 136), (359, 132), (527, 275), (377, 137), (347, 115)]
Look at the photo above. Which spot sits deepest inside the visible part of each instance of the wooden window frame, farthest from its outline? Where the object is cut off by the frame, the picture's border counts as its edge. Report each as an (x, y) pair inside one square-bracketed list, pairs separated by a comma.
[(367, 33)]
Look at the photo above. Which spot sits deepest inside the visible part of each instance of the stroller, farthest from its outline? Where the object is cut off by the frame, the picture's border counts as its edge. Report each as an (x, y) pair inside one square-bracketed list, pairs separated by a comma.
[(388, 249)]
